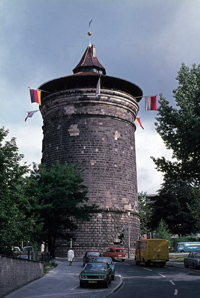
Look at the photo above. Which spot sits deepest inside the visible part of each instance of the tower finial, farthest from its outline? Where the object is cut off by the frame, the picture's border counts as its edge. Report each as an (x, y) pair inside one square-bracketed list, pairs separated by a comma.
[(89, 34)]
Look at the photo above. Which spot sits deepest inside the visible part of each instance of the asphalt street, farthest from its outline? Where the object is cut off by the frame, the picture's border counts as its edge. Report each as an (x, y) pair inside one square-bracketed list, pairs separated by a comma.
[(63, 282)]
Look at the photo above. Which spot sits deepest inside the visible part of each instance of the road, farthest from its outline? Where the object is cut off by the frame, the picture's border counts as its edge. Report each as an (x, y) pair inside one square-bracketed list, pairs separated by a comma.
[(156, 282), (131, 281)]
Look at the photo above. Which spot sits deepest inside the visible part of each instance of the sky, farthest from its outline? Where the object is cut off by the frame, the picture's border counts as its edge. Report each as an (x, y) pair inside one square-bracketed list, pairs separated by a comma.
[(141, 41)]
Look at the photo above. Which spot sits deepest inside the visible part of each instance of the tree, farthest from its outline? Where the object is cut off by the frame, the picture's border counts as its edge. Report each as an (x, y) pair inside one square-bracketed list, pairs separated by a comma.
[(15, 225), (175, 205), (179, 127), (58, 196), (144, 212), (162, 231)]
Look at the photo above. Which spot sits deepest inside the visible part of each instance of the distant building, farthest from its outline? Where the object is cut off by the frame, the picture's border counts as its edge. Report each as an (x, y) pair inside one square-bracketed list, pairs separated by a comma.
[(97, 130)]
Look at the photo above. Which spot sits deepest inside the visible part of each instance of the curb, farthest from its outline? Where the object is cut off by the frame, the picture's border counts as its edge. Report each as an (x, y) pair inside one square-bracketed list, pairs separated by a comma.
[(117, 287)]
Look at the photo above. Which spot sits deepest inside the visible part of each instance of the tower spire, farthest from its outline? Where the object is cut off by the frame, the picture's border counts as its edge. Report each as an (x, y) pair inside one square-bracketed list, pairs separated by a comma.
[(89, 34)]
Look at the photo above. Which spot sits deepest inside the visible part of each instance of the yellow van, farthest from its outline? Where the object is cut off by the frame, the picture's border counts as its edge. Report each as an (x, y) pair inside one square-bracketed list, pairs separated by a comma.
[(152, 251)]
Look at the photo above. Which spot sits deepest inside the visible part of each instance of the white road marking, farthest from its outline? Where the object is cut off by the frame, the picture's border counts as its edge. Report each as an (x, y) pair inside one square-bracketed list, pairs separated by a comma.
[(161, 275), (176, 292), (147, 269), (172, 283)]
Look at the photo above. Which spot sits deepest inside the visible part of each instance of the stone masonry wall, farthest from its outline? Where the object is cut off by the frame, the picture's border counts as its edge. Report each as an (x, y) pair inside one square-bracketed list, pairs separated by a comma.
[(99, 133), (102, 231), (14, 273)]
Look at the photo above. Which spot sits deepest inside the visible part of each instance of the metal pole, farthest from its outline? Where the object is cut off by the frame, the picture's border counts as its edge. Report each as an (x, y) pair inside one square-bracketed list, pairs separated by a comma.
[(128, 213), (70, 242)]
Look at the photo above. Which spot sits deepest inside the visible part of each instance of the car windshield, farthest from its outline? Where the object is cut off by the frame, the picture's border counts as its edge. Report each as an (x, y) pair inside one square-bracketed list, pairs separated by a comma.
[(93, 254), (197, 255), (103, 260), (98, 267)]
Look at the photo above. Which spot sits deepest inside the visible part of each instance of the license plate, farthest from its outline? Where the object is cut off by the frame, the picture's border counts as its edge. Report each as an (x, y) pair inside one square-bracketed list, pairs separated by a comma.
[(92, 281), (119, 255)]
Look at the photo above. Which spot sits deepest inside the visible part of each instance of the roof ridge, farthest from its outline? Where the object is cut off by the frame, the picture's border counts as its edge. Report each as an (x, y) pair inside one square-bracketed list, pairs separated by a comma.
[(89, 62)]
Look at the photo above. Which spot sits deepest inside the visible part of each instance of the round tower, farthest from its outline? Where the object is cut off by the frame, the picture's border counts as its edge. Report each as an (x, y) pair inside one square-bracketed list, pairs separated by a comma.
[(88, 117)]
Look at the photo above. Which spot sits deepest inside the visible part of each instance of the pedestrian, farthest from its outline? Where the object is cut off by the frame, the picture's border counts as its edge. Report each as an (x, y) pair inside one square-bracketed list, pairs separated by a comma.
[(70, 256), (42, 248)]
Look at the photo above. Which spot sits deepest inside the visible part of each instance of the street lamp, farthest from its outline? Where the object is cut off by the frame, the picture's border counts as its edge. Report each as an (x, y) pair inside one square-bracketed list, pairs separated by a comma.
[(128, 213)]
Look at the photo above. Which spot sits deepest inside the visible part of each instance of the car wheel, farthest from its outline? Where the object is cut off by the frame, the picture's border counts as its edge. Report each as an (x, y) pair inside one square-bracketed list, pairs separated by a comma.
[(82, 284), (162, 264), (194, 266), (113, 277), (123, 260), (106, 284), (186, 266)]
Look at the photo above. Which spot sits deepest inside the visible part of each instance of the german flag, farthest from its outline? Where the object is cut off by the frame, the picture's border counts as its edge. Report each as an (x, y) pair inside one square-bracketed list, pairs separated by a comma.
[(35, 96)]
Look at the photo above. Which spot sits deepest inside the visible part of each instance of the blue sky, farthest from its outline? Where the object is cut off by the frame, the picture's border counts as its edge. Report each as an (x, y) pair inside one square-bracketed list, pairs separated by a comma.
[(141, 41)]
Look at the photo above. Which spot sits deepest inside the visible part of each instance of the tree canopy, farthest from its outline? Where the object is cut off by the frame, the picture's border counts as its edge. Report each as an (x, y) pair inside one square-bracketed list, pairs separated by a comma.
[(178, 202), (179, 127), (15, 223), (58, 196)]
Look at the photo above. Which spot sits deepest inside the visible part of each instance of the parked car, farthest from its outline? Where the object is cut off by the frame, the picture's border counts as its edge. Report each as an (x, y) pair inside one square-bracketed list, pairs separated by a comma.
[(16, 249), (192, 260), (115, 253), (95, 273), (109, 261), (90, 255), (28, 248)]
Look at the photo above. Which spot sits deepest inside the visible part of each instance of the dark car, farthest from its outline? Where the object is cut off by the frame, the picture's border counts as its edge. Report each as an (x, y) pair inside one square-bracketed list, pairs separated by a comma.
[(28, 248), (95, 273), (90, 255), (192, 260), (109, 261)]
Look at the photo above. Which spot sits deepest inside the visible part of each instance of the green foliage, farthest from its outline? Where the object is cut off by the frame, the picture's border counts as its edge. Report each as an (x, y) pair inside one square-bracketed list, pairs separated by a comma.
[(15, 223), (145, 213), (178, 205), (179, 127), (162, 231), (58, 196)]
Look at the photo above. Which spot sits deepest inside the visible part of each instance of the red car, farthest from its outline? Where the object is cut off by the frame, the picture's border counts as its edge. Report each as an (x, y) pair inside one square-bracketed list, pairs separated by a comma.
[(90, 255), (115, 253)]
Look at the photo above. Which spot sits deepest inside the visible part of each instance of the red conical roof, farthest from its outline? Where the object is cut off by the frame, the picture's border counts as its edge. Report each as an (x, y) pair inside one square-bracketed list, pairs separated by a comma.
[(89, 62)]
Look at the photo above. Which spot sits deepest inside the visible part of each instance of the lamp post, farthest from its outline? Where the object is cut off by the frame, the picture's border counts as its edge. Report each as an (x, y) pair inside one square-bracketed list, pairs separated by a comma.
[(128, 213)]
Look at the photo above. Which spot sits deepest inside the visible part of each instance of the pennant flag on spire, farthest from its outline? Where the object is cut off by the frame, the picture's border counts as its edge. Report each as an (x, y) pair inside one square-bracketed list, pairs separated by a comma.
[(35, 96), (150, 103), (30, 114), (137, 120), (98, 88)]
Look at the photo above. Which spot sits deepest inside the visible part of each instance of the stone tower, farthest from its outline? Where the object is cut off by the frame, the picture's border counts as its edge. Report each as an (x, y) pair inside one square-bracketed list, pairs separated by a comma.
[(99, 132)]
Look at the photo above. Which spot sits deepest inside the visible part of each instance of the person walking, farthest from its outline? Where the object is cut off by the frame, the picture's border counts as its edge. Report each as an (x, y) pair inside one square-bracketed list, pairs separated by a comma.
[(70, 256)]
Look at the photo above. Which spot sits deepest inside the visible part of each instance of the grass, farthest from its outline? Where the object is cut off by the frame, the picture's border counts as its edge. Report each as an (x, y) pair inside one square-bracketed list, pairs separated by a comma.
[(48, 266), (177, 258)]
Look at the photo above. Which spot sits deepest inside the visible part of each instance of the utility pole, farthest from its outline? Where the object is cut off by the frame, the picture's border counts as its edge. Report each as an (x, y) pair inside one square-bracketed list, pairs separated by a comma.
[(128, 213)]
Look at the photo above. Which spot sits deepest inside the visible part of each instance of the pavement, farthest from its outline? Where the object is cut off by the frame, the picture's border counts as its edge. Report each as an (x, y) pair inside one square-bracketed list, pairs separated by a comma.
[(63, 282)]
